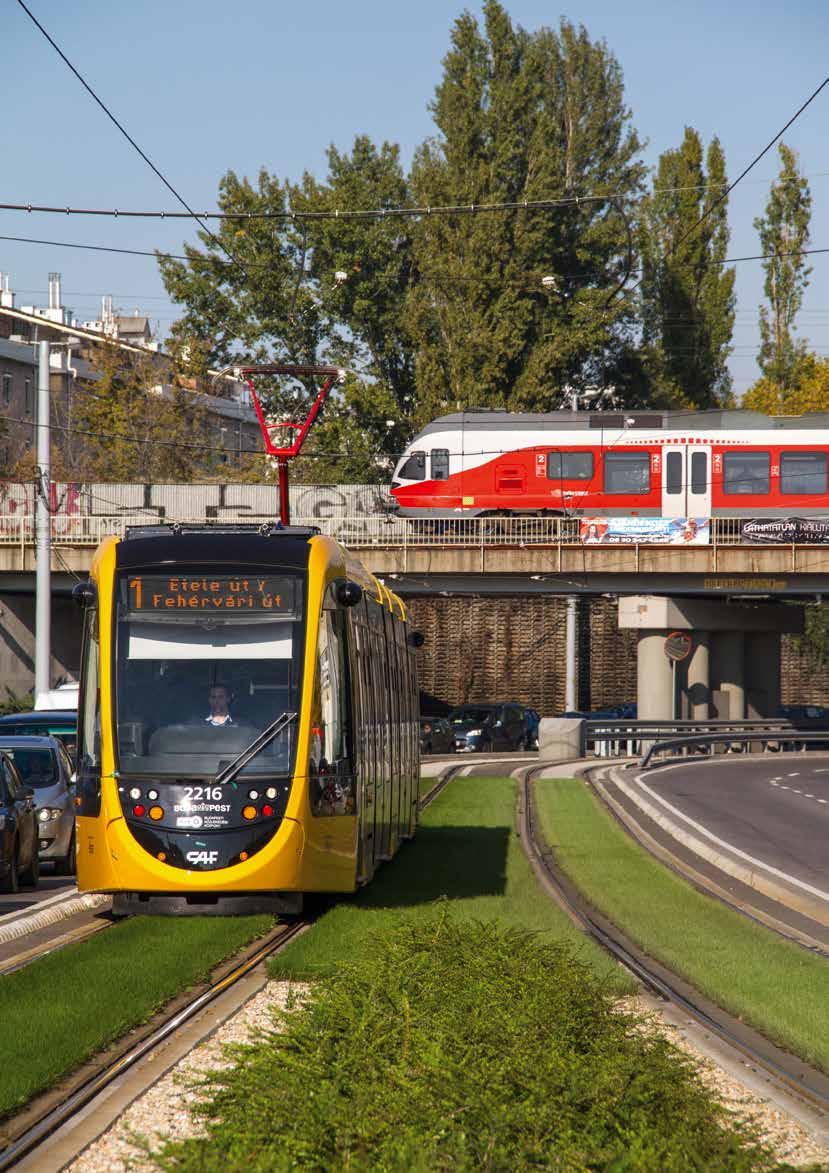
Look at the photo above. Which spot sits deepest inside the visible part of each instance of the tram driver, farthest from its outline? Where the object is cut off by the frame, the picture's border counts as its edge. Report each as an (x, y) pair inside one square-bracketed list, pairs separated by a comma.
[(218, 699)]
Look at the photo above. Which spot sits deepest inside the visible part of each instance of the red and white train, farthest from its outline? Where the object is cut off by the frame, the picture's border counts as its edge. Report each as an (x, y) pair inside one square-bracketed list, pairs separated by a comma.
[(662, 464)]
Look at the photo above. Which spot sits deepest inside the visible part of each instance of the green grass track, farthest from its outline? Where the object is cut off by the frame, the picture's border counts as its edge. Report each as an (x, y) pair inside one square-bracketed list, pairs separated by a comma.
[(467, 852), (776, 986), (61, 1010)]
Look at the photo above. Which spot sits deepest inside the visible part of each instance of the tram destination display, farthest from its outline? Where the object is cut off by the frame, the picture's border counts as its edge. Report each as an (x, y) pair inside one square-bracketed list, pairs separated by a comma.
[(213, 594)]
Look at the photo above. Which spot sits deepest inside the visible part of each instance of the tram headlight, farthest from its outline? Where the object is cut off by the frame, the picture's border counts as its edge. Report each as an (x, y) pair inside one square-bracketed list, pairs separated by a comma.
[(135, 793), (249, 812), (270, 792), (253, 795), (152, 795)]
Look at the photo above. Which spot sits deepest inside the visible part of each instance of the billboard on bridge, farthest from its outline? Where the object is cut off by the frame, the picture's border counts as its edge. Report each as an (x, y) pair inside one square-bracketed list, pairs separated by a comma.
[(660, 531), (786, 530)]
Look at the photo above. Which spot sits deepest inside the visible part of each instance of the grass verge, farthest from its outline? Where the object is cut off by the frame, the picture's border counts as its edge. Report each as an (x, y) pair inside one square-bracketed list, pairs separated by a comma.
[(64, 1008), (466, 852), (774, 985), (455, 1045)]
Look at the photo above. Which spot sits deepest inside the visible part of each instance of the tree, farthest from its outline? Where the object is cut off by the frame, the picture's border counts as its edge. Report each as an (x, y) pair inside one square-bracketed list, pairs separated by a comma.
[(688, 298), (810, 391), (784, 233), (521, 116)]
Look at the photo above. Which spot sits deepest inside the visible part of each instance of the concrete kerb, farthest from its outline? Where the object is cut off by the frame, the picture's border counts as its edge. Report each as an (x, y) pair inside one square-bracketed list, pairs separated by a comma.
[(39, 917), (721, 857)]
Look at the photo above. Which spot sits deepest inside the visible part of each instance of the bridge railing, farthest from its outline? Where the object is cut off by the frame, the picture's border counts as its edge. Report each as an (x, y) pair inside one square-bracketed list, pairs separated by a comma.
[(615, 738), (357, 532)]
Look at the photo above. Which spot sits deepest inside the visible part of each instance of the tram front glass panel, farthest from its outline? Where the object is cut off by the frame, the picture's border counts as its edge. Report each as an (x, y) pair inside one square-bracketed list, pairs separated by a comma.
[(205, 662)]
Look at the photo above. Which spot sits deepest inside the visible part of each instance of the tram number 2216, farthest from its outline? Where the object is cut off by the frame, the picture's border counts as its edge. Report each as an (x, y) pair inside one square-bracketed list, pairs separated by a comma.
[(202, 793)]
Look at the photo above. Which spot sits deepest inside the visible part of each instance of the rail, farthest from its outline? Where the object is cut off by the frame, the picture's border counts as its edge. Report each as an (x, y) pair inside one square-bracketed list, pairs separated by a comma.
[(362, 531), (629, 738), (702, 740)]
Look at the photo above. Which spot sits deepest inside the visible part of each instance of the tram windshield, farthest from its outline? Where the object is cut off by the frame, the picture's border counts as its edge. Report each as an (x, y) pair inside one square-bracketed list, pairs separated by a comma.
[(204, 664)]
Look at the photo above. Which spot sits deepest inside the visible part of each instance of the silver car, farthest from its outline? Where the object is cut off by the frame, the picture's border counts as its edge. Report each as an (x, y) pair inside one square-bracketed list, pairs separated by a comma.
[(44, 765)]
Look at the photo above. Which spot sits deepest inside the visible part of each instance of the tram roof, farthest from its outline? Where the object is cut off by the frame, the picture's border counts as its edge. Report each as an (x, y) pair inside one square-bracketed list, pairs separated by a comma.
[(149, 545), (500, 420)]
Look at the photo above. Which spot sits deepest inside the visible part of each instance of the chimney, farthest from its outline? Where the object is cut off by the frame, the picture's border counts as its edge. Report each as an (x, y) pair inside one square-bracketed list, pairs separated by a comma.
[(54, 291), (6, 295)]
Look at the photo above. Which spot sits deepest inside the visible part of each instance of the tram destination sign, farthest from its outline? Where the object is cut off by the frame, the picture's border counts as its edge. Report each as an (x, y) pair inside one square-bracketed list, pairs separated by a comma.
[(213, 594)]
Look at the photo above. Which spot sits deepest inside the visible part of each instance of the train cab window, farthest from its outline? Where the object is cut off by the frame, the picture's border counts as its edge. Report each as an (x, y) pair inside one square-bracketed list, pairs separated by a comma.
[(803, 473), (627, 473), (569, 466), (673, 472), (746, 473), (440, 464), (699, 472), (414, 468)]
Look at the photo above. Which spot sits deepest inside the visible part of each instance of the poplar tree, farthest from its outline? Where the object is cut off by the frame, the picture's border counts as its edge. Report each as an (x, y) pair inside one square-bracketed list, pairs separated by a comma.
[(784, 233), (688, 298)]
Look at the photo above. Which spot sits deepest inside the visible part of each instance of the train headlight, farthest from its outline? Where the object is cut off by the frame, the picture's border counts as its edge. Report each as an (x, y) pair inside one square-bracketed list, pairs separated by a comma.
[(248, 812), (156, 813)]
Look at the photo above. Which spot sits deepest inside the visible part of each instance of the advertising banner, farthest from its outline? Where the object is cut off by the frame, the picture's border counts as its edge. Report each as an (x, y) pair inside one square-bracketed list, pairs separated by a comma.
[(658, 531), (770, 531)]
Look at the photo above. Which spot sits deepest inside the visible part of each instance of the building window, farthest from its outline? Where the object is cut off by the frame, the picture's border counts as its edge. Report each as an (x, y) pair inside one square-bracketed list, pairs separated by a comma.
[(746, 474), (7, 390), (627, 473), (570, 466), (27, 396), (803, 472), (440, 464)]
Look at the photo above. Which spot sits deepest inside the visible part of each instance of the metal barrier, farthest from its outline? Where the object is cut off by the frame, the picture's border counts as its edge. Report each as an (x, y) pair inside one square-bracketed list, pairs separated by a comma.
[(364, 532), (628, 738), (702, 740)]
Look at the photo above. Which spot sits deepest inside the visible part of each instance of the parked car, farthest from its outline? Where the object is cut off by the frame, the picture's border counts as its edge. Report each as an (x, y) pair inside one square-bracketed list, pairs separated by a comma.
[(45, 767), (63, 725), (479, 728), (19, 860), (436, 735)]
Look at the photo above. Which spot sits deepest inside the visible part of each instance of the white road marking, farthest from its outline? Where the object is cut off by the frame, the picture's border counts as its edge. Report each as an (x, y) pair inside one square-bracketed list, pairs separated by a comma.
[(766, 867), (823, 800), (796, 774)]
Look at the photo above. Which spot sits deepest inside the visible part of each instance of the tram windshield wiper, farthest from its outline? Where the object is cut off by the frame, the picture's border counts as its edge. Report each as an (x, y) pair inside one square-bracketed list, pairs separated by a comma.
[(234, 768)]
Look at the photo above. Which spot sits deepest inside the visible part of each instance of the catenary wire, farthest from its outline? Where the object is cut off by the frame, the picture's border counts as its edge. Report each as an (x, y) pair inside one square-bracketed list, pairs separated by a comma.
[(127, 135)]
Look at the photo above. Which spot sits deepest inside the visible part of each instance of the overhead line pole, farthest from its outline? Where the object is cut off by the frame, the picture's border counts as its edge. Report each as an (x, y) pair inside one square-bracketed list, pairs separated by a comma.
[(43, 478)]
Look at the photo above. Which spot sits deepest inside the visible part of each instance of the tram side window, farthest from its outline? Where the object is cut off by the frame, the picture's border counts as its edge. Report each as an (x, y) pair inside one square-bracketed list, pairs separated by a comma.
[(569, 466), (333, 758), (414, 468), (803, 472), (89, 721), (746, 473), (627, 472), (440, 464)]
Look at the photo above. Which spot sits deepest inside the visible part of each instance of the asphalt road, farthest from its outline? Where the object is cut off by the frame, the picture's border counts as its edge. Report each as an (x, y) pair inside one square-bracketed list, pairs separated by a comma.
[(49, 885), (774, 808)]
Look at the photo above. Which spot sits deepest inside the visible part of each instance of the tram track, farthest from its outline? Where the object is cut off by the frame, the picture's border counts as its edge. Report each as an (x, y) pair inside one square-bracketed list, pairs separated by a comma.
[(804, 1084)]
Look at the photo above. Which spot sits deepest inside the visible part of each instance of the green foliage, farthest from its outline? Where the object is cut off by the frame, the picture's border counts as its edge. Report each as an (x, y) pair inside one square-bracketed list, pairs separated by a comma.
[(784, 232), (688, 296), (462, 1046), (807, 390)]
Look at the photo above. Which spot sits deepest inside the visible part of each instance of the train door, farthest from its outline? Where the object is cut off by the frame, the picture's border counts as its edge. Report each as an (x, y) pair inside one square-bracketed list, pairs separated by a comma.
[(686, 481)]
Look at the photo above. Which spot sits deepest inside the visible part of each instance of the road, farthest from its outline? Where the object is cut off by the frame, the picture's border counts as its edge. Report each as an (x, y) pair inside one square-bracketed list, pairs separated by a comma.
[(49, 885), (775, 809)]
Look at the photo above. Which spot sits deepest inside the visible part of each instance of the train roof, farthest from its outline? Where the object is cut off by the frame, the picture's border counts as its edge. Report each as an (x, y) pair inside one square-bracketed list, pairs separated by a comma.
[(500, 420)]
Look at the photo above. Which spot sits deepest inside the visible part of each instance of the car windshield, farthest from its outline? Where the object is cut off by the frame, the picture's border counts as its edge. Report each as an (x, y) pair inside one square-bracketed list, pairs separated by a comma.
[(198, 681), (464, 716), (37, 767)]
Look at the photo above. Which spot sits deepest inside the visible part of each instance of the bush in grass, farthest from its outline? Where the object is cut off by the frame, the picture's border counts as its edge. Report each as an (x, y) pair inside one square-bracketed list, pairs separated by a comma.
[(458, 1046)]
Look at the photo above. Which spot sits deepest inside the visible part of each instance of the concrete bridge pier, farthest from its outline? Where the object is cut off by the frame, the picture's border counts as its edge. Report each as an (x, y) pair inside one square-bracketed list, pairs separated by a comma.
[(733, 669)]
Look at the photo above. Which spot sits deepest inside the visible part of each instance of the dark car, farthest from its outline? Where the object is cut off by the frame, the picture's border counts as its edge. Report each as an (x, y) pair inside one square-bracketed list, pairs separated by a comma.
[(44, 767), (481, 728), (19, 860), (436, 735), (60, 724)]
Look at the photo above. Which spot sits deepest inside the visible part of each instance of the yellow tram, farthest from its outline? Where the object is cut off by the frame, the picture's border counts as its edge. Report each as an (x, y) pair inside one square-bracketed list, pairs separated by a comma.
[(247, 728)]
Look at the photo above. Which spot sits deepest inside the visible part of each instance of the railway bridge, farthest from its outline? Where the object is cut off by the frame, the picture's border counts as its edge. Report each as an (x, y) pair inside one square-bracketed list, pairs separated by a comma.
[(592, 617)]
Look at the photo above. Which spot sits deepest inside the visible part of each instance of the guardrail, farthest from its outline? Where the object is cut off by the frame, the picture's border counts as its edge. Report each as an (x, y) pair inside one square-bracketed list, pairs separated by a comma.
[(702, 740), (382, 530), (629, 738)]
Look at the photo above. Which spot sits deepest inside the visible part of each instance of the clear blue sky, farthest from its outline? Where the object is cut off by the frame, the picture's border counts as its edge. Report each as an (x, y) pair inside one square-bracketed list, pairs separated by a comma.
[(209, 86)]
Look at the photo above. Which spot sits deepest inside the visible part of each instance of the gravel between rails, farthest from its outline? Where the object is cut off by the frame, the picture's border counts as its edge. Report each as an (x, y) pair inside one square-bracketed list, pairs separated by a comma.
[(165, 1109)]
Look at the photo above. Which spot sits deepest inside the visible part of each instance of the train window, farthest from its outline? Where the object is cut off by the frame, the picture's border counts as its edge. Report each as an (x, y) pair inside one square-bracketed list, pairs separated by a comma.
[(331, 754), (673, 472), (440, 464), (803, 472), (699, 472), (746, 473), (414, 468), (627, 472), (570, 466)]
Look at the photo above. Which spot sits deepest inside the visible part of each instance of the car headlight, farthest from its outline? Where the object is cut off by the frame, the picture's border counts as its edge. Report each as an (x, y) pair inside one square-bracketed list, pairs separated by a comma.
[(48, 812), (474, 732)]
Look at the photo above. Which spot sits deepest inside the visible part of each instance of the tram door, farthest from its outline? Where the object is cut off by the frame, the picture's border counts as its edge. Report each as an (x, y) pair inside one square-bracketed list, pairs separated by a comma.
[(686, 481)]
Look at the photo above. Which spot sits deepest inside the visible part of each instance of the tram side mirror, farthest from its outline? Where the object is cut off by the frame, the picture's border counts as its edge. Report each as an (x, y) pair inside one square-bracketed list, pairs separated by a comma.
[(348, 593), (84, 594), (416, 639)]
